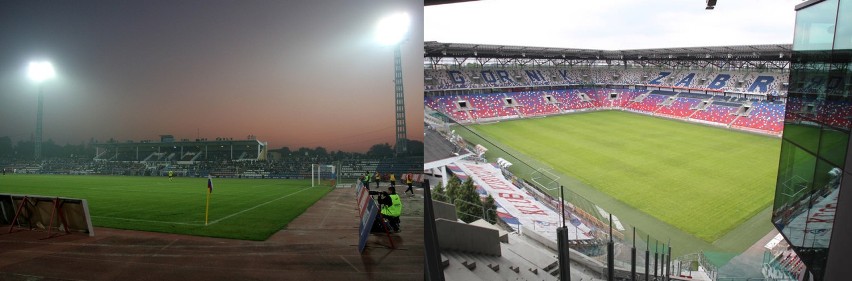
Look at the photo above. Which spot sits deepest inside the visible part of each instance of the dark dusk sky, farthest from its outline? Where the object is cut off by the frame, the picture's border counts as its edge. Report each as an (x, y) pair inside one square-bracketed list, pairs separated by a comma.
[(293, 73)]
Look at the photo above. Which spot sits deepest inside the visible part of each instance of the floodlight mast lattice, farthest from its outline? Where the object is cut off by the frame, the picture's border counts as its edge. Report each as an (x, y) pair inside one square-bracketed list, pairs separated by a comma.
[(392, 31), (38, 72)]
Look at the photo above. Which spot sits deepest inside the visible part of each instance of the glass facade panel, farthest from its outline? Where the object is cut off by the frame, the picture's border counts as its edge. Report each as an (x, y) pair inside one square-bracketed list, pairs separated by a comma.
[(816, 131), (819, 222), (806, 99), (805, 201), (809, 75), (845, 56), (805, 131), (832, 146), (792, 195), (815, 27), (843, 34)]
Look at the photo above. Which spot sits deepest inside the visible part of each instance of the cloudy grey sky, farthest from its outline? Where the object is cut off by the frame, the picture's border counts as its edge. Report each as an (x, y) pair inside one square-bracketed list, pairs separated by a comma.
[(612, 24)]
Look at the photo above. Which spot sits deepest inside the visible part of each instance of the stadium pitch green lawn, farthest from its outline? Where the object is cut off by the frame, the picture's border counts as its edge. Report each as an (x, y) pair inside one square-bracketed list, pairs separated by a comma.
[(703, 180), (249, 209)]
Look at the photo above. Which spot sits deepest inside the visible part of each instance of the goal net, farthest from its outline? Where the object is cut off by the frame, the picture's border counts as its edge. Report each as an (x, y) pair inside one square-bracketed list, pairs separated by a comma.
[(323, 175)]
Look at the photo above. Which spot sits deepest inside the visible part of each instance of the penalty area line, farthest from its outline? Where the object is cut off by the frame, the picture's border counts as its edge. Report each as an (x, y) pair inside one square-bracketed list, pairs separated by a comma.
[(255, 207)]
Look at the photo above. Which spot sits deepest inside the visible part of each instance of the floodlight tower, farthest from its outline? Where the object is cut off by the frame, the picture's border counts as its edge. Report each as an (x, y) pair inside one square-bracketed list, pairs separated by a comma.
[(38, 72), (392, 30)]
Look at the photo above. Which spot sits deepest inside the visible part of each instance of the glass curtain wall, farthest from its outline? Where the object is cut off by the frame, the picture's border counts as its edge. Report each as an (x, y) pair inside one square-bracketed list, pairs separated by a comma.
[(816, 130)]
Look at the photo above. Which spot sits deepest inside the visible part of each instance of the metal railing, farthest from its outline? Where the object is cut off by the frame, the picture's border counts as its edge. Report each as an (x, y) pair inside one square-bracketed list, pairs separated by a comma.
[(455, 202)]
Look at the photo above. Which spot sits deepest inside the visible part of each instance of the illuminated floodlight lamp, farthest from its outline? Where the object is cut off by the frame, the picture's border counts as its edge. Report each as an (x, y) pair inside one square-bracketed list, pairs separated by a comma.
[(39, 71), (392, 29)]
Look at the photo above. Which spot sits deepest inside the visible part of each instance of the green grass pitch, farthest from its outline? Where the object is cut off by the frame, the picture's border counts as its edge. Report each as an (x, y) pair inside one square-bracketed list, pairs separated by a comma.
[(239, 208), (703, 180)]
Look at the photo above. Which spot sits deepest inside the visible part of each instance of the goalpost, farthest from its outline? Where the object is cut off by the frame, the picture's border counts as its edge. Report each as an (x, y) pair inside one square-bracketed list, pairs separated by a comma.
[(323, 175)]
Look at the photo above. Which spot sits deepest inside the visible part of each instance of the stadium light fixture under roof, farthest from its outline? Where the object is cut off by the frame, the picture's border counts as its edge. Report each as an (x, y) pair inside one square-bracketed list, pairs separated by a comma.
[(392, 29), (39, 71)]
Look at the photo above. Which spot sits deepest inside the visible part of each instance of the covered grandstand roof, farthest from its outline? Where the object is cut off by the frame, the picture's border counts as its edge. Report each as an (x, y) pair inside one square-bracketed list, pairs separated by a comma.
[(181, 143), (777, 55), (185, 150), (442, 2)]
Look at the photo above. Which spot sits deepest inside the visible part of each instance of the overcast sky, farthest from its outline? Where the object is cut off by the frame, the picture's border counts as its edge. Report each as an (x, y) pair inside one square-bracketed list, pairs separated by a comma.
[(612, 24), (293, 73)]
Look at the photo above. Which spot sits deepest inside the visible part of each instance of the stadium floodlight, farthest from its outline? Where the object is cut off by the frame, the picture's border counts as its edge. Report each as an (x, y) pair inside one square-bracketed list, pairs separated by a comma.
[(39, 71), (392, 29)]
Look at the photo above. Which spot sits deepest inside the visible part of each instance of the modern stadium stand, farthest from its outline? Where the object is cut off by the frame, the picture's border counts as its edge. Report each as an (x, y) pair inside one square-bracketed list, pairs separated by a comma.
[(489, 106), (716, 113), (675, 101), (649, 104), (763, 117), (680, 108), (534, 104)]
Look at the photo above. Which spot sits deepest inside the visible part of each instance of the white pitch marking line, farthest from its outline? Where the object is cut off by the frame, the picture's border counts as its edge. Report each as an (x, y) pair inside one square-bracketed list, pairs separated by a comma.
[(166, 222), (350, 264), (252, 208), (157, 254)]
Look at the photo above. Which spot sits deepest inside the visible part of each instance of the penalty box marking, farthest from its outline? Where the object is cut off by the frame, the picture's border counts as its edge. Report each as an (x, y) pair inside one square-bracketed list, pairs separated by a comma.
[(213, 222), (255, 207)]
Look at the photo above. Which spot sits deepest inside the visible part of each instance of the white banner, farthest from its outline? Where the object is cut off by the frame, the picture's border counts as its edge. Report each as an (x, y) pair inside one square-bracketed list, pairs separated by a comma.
[(530, 213)]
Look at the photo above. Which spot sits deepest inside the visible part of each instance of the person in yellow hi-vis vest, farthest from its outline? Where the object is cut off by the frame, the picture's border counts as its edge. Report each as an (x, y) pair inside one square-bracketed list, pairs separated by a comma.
[(366, 180), (391, 207), (377, 178), (171, 175), (392, 180), (409, 181)]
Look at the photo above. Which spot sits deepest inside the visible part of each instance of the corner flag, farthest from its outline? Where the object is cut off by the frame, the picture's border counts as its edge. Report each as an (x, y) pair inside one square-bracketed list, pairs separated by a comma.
[(209, 192)]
